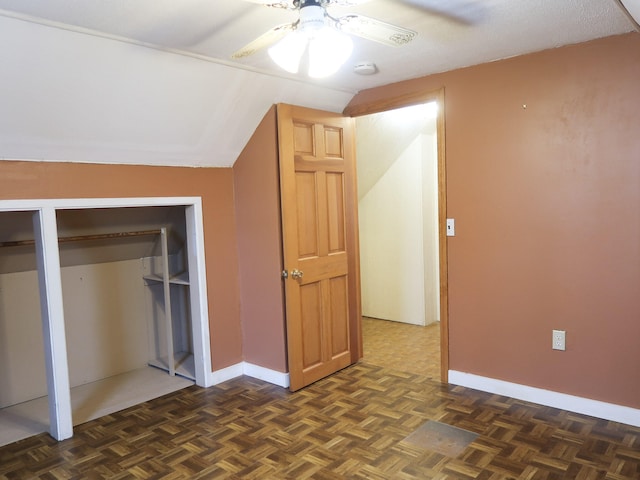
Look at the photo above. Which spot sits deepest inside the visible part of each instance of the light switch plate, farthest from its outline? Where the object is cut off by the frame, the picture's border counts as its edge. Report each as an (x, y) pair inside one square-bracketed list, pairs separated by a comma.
[(451, 227)]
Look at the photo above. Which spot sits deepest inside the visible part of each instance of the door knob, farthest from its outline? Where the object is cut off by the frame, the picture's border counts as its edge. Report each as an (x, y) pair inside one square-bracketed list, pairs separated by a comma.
[(296, 274)]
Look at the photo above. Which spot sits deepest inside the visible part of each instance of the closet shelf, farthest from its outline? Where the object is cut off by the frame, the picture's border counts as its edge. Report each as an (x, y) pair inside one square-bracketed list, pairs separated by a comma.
[(181, 278), (174, 362)]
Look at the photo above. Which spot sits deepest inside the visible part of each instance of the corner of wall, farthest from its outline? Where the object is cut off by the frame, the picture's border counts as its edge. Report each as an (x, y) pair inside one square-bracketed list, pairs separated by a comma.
[(255, 371), (257, 213)]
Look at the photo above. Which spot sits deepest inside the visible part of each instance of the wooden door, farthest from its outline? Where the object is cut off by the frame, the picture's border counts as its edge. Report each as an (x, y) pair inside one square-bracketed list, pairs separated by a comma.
[(320, 242)]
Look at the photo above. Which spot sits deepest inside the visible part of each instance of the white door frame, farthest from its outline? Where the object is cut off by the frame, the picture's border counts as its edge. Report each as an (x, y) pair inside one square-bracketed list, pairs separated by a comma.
[(51, 299)]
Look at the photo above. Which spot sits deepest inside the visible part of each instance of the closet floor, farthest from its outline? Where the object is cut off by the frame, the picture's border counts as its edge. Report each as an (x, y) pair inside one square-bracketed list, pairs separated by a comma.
[(90, 401)]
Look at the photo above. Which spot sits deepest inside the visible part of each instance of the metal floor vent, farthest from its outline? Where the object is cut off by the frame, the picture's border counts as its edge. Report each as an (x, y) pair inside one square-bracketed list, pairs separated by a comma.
[(442, 438)]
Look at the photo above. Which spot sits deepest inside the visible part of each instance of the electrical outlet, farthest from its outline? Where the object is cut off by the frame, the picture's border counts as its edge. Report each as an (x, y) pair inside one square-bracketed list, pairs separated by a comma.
[(558, 340)]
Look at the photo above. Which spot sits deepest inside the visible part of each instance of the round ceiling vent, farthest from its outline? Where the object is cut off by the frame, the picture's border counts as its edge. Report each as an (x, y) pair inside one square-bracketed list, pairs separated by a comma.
[(365, 68)]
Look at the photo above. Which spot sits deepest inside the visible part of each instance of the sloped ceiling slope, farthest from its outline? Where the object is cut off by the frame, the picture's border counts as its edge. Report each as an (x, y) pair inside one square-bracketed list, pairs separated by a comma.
[(68, 96), (382, 137), (155, 81)]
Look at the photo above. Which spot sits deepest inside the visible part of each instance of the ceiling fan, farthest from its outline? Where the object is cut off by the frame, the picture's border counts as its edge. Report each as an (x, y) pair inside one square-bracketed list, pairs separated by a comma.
[(322, 33)]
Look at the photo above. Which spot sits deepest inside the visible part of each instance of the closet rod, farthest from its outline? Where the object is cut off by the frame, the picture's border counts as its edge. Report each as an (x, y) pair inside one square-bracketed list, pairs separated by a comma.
[(99, 236)]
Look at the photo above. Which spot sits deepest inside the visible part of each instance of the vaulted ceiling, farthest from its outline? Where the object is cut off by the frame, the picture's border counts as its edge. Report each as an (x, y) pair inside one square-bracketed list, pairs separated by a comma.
[(154, 81)]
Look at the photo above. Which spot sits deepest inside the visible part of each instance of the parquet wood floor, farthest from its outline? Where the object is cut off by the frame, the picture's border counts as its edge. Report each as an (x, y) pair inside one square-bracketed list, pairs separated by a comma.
[(404, 347), (351, 425)]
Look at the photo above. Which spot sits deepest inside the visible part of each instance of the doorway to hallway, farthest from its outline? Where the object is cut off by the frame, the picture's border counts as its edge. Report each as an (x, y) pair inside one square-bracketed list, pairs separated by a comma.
[(399, 238)]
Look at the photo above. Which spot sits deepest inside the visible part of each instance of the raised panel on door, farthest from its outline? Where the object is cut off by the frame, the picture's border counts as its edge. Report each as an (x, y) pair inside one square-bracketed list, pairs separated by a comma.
[(304, 139), (335, 212), (339, 316), (333, 142), (311, 324), (307, 214)]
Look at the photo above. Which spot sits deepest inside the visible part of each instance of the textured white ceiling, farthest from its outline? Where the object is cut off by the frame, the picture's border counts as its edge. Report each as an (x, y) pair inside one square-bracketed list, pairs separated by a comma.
[(467, 33), (153, 82)]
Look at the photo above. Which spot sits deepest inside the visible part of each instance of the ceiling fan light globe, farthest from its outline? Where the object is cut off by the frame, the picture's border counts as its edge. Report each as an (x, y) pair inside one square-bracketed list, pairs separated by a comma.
[(328, 50), (288, 52)]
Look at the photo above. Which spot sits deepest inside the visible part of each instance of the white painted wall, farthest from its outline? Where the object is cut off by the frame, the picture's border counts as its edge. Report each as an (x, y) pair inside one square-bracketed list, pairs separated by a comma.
[(430, 237), (398, 209), (22, 371), (106, 327), (391, 249)]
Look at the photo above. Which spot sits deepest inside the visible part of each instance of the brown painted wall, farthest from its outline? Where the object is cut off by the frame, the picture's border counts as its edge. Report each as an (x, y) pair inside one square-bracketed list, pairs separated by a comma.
[(547, 206), (22, 180), (257, 197)]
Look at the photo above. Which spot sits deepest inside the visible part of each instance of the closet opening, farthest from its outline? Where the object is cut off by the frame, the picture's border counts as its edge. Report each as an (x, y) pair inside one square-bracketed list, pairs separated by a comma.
[(133, 316)]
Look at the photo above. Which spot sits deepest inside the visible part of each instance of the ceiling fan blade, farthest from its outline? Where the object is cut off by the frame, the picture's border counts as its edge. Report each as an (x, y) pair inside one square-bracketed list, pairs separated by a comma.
[(286, 4), (266, 39), (375, 30)]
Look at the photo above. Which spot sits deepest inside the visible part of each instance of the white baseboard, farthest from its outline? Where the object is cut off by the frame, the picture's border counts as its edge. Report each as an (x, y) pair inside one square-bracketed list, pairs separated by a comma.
[(219, 376), (244, 368), (586, 406), (266, 374)]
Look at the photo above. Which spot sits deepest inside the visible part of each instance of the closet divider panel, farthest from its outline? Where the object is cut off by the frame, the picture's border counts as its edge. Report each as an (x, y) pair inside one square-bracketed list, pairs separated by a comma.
[(52, 311)]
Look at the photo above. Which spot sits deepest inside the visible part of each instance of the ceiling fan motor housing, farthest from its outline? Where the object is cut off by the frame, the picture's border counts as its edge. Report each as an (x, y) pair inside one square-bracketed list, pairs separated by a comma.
[(311, 16), (308, 3)]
